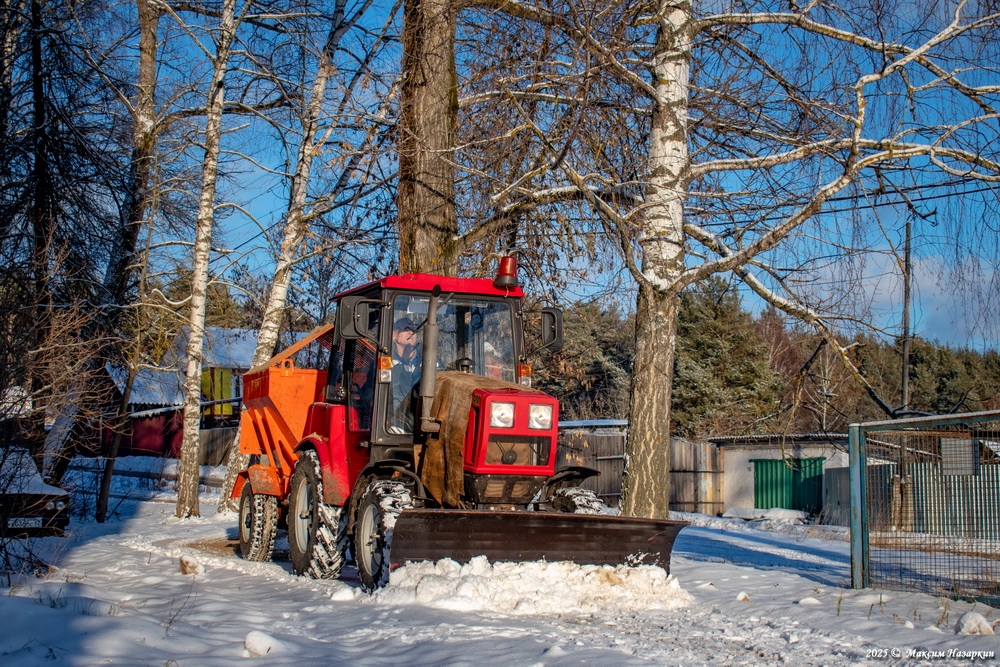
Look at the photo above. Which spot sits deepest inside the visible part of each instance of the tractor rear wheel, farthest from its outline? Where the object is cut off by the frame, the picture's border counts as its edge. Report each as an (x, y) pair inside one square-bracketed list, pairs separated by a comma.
[(378, 508), (317, 532), (258, 524)]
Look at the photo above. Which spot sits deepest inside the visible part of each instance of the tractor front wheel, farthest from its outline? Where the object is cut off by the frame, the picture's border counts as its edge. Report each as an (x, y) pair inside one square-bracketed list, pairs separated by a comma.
[(378, 508), (258, 524), (317, 532)]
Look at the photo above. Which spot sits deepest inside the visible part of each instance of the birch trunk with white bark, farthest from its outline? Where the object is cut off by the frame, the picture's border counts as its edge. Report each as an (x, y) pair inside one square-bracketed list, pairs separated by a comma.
[(646, 487), (188, 477)]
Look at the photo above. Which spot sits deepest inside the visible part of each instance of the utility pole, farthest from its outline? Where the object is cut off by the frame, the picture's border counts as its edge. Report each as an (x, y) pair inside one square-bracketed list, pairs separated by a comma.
[(907, 275)]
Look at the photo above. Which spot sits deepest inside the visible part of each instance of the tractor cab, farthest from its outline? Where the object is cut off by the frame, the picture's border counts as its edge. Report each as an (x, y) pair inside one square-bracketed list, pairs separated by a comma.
[(397, 334), (475, 335)]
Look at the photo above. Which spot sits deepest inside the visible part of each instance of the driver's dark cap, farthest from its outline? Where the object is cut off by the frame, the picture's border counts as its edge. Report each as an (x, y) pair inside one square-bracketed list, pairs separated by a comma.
[(405, 324)]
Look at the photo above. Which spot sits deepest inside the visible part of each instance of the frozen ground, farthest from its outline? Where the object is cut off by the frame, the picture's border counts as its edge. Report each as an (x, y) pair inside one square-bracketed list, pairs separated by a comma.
[(738, 595)]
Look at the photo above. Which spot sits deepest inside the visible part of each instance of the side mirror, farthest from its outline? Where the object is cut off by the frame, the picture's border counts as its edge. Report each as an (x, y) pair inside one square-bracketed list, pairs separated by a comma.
[(355, 317), (552, 329), (347, 317)]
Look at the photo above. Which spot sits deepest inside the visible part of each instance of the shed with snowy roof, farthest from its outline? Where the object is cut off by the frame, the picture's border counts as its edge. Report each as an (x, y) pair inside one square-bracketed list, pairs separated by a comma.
[(156, 400), (781, 471)]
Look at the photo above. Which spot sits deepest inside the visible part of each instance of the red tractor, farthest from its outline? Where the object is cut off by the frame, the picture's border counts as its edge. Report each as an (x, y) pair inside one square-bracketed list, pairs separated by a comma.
[(411, 432)]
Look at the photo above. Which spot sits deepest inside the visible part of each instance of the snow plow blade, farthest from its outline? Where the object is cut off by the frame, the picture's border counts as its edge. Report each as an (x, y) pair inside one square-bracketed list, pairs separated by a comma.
[(585, 539)]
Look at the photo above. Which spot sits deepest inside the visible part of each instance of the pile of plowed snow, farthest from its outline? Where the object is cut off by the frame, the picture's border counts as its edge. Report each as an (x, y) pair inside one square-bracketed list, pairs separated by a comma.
[(532, 588)]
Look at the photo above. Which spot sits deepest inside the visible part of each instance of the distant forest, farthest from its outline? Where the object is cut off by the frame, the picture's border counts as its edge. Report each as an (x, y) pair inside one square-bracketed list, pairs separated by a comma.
[(737, 374)]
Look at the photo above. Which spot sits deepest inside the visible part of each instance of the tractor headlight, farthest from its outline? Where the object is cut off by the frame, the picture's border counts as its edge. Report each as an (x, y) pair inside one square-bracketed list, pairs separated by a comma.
[(540, 417), (502, 415)]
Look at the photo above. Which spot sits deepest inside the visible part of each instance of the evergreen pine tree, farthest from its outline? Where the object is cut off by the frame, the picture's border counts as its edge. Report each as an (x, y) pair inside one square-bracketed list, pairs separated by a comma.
[(723, 379)]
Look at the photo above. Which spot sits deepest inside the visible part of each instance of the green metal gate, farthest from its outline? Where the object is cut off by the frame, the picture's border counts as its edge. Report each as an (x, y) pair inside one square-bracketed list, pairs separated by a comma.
[(794, 484)]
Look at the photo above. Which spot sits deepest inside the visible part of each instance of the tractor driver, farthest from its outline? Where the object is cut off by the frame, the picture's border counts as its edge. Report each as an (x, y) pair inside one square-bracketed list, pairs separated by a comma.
[(494, 364), (406, 354)]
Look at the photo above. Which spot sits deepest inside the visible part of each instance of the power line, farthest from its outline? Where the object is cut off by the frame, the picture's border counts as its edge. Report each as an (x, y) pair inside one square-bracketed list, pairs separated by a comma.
[(899, 202), (850, 209)]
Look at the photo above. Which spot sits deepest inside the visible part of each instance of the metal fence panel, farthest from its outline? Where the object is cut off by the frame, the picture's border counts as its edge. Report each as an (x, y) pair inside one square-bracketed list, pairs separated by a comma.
[(837, 497), (930, 520), (795, 484), (807, 494)]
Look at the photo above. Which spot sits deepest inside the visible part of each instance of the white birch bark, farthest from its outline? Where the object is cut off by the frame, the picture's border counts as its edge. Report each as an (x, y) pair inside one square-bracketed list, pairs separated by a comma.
[(646, 487), (188, 478)]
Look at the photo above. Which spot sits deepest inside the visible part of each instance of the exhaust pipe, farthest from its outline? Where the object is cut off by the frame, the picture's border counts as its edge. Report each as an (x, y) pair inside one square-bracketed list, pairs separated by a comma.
[(428, 370)]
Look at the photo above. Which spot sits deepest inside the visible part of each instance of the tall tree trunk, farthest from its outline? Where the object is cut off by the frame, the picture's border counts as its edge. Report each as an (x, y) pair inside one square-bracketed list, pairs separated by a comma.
[(120, 424), (646, 487), (188, 478), (132, 216), (117, 277), (42, 227), (144, 132), (428, 113)]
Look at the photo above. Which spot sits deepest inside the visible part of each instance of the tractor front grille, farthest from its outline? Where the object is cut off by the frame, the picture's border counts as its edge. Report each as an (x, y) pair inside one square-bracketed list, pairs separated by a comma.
[(518, 450), (494, 490)]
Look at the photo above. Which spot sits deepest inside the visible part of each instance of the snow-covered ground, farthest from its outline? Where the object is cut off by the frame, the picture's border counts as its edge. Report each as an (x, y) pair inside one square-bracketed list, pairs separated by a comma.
[(739, 593)]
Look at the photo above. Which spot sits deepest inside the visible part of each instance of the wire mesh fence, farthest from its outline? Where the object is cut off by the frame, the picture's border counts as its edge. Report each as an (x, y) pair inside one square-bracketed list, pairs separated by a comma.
[(926, 507)]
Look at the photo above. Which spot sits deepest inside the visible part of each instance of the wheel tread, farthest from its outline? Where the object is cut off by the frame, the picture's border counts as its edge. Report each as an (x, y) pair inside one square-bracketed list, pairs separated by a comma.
[(326, 558), (580, 501), (390, 498), (263, 527)]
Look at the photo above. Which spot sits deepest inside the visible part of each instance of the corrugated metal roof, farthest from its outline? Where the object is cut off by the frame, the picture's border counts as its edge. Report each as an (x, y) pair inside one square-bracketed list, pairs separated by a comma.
[(765, 439), (157, 387), (590, 423)]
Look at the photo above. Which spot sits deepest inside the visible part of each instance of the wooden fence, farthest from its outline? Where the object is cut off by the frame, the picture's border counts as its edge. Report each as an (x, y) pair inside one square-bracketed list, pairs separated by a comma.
[(696, 467)]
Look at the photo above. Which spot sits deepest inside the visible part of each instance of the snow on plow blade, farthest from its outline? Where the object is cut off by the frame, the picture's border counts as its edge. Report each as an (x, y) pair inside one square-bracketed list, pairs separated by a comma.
[(585, 539)]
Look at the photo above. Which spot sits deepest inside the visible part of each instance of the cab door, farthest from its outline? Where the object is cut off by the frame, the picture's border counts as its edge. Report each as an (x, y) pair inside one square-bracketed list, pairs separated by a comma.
[(362, 360), (350, 397)]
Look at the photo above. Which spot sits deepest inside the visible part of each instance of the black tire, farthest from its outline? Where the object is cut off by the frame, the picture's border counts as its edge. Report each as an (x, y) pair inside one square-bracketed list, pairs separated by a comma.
[(258, 524), (317, 532), (576, 500), (377, 510)]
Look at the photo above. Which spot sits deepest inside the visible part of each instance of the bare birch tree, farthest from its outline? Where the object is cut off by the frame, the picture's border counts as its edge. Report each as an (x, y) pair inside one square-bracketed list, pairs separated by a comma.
[(744, 123), (301, 211), (189, 474)]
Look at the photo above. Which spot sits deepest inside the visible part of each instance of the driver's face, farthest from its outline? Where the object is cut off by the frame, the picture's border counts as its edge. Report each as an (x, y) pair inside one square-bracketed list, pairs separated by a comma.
[(405, 339)]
